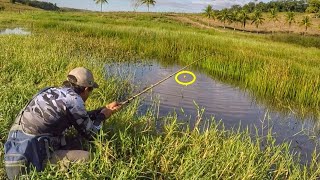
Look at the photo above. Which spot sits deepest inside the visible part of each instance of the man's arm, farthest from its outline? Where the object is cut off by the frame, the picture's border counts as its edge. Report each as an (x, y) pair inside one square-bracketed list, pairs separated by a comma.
[(81, 120), (103, 113), (97, 116), (93, 114)]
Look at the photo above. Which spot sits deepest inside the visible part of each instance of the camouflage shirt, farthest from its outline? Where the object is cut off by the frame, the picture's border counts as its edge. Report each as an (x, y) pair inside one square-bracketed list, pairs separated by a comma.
[(56, 109)]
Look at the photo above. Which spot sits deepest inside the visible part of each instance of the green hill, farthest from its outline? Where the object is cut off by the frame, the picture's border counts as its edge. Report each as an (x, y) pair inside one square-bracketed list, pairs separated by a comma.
[(20, 5), (8, 6)]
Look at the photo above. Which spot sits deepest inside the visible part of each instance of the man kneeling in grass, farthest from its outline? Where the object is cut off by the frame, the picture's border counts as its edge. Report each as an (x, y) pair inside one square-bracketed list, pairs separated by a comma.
[(37, 134)]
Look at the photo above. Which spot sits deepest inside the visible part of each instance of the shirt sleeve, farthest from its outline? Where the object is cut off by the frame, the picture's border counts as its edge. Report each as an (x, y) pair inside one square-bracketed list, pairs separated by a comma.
[(97, 116), (79, 117)]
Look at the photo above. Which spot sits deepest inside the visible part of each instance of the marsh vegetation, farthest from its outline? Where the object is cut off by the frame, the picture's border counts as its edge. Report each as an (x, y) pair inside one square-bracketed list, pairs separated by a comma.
[(268, 66)]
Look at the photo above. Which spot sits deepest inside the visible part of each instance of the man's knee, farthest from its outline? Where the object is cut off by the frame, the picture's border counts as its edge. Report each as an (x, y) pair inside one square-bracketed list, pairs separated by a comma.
[(70, 155)]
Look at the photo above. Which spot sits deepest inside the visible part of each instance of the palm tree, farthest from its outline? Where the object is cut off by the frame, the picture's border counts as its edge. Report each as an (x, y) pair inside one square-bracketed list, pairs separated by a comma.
[(223, 16), (257, 18), (306, 22), (244, 17), (233, 18), (274, 16), (148, 3), (101, 2), (208, 12), (290, 18), (135, 4)]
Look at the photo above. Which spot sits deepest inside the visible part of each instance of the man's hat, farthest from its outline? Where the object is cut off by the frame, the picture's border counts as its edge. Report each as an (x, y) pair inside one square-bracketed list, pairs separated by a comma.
[(82, 77)]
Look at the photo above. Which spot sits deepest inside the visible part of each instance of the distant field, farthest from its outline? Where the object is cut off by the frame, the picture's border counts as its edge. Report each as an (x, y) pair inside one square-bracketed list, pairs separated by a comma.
[(281, 69), (268, 26), (199, 20)]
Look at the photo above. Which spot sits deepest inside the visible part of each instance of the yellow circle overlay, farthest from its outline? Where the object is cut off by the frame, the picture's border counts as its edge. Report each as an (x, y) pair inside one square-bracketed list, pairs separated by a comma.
[(185, 83)]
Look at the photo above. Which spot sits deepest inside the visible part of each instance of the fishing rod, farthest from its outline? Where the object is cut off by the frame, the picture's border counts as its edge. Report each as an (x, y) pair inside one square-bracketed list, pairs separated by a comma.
[(156, 84)]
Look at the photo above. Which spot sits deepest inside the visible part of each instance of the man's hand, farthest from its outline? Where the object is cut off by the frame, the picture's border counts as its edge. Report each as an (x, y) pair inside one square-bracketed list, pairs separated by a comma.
[(114, 106), (110, 109)]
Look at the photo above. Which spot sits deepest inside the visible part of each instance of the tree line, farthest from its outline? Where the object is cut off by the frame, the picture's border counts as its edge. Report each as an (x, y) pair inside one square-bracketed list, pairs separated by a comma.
[(281, 5), (38, 4), (252, 13), (310, 6)]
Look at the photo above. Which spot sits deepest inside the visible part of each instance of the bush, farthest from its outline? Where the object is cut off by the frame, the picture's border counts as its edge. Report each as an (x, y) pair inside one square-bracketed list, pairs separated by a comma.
[(2, 8)]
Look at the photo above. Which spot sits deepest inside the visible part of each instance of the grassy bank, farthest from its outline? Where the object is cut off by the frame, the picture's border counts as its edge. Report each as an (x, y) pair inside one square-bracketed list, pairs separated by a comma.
[(61, 41)]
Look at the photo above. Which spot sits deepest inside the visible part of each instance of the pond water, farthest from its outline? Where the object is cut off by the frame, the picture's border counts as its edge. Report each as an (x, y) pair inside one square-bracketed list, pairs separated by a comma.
[(19, 31), (234, 107)]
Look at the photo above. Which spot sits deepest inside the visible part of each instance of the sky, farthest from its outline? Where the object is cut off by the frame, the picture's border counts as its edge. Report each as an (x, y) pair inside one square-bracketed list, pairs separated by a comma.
[(161, 5)]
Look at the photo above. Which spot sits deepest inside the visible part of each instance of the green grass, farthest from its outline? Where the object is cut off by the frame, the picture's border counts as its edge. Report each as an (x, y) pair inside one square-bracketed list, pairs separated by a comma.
[(306, 41), (285, 72)]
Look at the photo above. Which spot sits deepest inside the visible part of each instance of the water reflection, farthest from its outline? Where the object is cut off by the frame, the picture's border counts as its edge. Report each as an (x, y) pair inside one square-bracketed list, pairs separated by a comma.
[(19, 31), (222, 101)]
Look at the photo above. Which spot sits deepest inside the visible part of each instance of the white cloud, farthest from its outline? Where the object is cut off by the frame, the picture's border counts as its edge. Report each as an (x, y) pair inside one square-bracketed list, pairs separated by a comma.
[(202, 2)]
